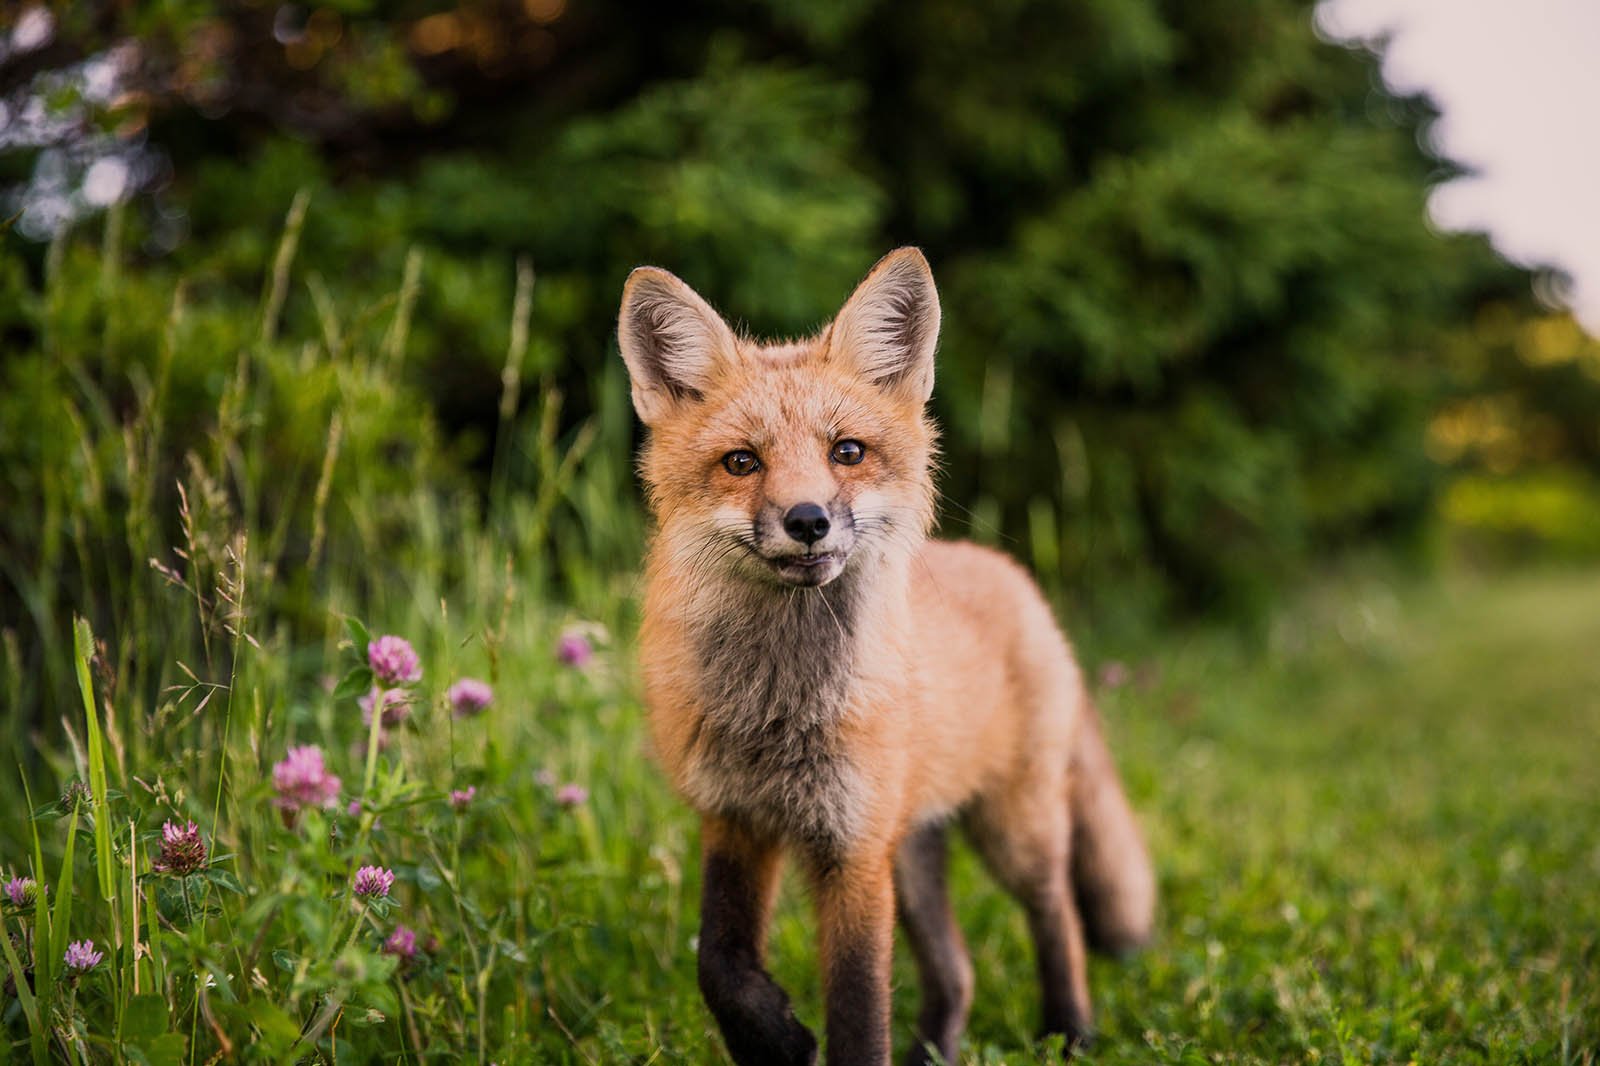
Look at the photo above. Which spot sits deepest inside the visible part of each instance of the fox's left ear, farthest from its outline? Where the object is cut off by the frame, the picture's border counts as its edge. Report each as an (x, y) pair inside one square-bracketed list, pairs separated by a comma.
[(889, 327)]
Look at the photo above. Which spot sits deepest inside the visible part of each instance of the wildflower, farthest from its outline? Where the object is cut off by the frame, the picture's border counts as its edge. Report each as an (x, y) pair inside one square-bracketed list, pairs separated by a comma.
[(22, 891), (82, 957), (469, 696), (373, 881), (461, 798), (572, 795), (395, 703), (1115, 674), (574, 649), (545, 777), (401, 942), (394, 661), (77, 792), (303, 781), (183, 851)]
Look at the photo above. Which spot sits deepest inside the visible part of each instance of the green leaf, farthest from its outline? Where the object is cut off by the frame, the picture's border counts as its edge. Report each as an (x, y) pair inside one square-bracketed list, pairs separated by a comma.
[(382, 997), (223, 879), (358, 635), (427, 878), (144, 1019), (83, 646), (166, 1050), (277, 1028), (30, 1007), (61, 917), (511, 950), (356, 683)]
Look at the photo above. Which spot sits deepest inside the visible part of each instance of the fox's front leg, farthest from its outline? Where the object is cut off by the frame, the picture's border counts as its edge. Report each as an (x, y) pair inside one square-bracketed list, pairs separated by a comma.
[(855, 915), (739, 883)]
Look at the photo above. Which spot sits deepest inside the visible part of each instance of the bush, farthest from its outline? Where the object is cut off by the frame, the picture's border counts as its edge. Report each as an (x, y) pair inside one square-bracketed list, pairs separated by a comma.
[(1548, 513), (1195, 319)]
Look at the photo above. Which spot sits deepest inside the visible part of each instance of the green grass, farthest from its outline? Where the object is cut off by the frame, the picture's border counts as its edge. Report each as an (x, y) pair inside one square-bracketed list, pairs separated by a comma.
[(1374, 827), (1375, 839)]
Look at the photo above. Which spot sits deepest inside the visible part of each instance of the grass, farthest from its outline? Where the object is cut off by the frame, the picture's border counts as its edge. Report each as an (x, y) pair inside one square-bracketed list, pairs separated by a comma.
[(1375, 841), (1374, 827)]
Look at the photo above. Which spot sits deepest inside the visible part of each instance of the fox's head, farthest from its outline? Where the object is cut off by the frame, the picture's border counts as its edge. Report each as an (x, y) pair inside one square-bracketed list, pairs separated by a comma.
[(787, 464)]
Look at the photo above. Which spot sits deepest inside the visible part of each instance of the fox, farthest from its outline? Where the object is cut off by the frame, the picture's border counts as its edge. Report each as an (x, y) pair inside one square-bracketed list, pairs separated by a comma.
[(826, 683)]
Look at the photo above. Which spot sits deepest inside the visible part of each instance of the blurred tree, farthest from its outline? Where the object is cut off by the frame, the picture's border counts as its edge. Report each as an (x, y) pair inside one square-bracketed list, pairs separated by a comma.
[(1196, 323), (1517, 431)]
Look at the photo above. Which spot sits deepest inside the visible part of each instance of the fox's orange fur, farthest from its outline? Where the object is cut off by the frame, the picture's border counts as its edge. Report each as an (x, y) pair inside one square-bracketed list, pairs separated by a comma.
[(823, 679)]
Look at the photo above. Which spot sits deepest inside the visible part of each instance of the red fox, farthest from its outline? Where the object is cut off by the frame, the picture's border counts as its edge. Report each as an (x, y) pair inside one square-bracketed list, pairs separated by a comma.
[(824, 679)]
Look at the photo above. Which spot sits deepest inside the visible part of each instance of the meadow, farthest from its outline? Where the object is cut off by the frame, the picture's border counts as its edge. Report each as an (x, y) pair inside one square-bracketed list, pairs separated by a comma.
[(1372, 817)]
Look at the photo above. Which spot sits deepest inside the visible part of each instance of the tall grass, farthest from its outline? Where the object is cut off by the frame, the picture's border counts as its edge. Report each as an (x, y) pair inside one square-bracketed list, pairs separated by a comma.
[(194, 586)]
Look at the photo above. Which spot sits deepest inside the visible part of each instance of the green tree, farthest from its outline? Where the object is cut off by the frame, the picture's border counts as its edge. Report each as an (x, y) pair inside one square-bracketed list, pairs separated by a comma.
[(1195, 318)]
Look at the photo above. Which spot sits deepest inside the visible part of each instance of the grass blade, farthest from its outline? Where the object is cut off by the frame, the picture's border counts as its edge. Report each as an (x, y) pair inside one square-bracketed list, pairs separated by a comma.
[(83, 645), (61, 918), (25, 997), (83, 641)]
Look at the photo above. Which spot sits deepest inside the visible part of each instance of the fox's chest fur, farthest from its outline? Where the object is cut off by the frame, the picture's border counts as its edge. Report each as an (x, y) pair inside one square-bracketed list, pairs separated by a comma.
[(776, 677)]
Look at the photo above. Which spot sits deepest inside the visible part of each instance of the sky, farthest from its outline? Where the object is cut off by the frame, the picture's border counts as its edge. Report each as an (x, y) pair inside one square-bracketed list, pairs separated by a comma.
[(1518, 85)]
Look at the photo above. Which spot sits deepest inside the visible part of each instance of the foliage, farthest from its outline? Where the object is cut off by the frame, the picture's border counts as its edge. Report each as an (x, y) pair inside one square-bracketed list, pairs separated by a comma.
[(1551, 513), (1195, 323), (298, 467), (275, 947), (158, 409), (1516, 431)]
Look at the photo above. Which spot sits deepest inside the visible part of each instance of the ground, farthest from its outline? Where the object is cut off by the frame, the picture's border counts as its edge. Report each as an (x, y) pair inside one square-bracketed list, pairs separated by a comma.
[(1375, 829)]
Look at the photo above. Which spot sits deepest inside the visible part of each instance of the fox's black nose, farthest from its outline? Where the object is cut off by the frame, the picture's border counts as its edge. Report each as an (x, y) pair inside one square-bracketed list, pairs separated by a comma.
[(806, 522)]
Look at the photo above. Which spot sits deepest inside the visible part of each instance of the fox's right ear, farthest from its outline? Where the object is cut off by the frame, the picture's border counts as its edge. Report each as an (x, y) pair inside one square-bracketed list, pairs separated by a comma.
[(672, 341)]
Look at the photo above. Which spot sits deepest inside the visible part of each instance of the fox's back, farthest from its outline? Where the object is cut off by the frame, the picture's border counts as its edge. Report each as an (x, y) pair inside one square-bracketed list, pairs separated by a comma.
[(993, 678)]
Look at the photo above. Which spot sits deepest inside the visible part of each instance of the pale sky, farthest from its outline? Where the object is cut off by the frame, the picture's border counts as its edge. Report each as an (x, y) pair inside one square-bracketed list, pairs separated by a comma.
[(1518, 83)]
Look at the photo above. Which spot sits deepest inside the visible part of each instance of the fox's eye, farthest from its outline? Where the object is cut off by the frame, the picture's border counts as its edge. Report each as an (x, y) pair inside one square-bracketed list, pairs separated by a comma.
[(849, 452), (740, 462)]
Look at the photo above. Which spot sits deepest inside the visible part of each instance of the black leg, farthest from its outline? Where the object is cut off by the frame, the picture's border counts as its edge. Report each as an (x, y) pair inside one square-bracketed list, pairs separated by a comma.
[(757, 1022), (923, 900), (1063, 963), (1027, 845)]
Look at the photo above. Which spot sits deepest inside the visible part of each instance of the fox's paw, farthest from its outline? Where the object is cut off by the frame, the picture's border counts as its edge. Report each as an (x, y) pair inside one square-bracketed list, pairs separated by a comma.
[(1073, 1039), (783, 1042), (800, 1047)]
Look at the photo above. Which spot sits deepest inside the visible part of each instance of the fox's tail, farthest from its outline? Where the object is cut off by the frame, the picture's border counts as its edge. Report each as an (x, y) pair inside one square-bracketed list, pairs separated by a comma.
[(1112, 877)]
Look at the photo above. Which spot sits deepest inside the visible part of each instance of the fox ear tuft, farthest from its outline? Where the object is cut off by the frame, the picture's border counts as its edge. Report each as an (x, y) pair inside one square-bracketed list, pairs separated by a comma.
[(890, 325), (672, 341)]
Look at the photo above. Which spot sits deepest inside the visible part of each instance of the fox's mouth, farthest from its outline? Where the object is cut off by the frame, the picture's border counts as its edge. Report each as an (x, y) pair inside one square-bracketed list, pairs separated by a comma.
[(807, 569)]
